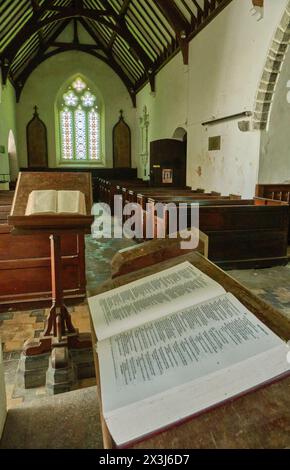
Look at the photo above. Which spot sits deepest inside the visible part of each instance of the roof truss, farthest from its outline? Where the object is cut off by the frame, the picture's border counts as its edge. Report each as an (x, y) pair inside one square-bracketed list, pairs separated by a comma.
[(134, 37)]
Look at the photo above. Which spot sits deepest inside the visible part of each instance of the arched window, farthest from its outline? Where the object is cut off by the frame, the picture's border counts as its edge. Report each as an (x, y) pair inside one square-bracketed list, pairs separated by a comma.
[(80, 124)]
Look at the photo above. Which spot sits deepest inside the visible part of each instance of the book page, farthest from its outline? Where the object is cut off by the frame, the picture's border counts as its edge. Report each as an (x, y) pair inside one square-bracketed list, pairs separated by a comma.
[(71, 202), (218, 342), (149, 298), (42, 202)]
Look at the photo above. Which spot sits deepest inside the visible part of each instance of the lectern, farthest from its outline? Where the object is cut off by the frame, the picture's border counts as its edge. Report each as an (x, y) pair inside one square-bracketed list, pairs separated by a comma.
[(59, 336)]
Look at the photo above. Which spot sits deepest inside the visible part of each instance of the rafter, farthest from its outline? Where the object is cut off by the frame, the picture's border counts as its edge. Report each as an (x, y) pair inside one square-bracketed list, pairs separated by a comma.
[(95, 36), (135, 38), (42, 57), (35, 7), (128, 36), (47, 44), (122, 14), (34, 26), (178, 23)]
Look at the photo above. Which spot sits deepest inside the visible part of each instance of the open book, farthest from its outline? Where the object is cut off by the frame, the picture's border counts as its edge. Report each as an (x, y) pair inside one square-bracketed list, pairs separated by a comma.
[(174, 344), (51, 202)]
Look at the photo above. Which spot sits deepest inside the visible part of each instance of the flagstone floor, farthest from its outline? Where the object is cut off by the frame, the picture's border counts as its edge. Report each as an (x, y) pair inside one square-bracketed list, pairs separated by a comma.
[(17, 327), (273, 285)]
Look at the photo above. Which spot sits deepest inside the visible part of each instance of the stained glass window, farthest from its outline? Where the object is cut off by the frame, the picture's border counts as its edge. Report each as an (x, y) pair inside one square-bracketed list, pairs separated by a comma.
[(94, 126), (67, 139), (80, 124)]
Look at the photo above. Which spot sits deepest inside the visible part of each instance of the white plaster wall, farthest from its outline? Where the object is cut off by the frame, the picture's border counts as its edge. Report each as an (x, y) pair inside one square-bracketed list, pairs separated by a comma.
[(226, 61), (275, 141), (7, 123), (167, 108), (43, 85)]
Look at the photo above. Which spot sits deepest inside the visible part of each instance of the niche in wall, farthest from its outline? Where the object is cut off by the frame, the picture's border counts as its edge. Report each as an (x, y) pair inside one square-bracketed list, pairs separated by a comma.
[(12, 156), (36, 135), (122, 144)]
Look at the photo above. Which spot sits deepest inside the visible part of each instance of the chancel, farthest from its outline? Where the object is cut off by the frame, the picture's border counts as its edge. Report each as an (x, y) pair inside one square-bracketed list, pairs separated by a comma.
[(144, 225)]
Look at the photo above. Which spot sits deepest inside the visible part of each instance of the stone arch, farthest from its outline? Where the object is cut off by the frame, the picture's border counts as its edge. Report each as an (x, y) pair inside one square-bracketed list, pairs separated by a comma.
[(12, 156), (180, 134), (271, 72)]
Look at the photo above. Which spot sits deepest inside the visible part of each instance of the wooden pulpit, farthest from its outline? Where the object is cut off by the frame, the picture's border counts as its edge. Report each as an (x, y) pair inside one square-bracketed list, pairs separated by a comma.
[(56, 230)]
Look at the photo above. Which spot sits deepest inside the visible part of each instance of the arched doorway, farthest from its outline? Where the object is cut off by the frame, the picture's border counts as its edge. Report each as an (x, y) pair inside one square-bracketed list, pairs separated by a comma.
[(180, 134), (168, 160), (12, 156)]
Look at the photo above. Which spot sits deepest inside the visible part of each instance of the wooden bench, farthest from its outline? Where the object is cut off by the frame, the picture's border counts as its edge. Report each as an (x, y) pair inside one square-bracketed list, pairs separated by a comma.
[(242, 233), (152, 252), (277, 192)]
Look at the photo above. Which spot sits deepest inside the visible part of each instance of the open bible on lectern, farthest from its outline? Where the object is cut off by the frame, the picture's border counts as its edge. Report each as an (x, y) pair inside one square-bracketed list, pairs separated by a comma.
[(175, 344), (52, 202)]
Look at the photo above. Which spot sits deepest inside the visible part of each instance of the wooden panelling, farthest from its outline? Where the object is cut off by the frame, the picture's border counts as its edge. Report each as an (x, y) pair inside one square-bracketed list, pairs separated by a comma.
[(25, 268), (277, 192)]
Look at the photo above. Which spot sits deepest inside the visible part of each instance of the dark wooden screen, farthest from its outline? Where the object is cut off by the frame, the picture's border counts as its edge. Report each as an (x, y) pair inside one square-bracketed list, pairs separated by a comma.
[(36, 142), (168, 163), (122, 144)]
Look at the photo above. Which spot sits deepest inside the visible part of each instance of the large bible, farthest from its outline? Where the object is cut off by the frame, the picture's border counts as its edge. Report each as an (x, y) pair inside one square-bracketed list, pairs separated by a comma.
[(175, 344), (51, 202)]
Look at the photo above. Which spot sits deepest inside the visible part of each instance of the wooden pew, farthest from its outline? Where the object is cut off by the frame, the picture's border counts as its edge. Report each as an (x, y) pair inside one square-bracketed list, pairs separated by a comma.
[(6, 199), (108, 189), (152, 252), (278, 192), (242, 233), (143, 197), (132, 196)]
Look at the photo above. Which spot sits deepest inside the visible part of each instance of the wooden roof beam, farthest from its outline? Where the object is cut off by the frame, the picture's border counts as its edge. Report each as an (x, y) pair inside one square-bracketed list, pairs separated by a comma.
[(122, 14), (17, 79), (121, 27), (35, 7), (5, 58), (33, 26), (77, 11), (178, 23), (72, 47), (114, 64)]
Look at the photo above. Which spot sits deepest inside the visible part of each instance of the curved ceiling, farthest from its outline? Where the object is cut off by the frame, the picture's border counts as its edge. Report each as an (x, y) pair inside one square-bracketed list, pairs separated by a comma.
[(135, 37)]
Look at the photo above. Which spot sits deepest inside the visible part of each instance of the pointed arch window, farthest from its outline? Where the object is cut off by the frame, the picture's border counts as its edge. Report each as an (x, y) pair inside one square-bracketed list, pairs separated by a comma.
[(80, 124)]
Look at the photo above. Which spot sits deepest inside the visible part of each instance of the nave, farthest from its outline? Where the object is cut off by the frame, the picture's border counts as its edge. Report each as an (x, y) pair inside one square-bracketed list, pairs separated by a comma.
[(24, 430)]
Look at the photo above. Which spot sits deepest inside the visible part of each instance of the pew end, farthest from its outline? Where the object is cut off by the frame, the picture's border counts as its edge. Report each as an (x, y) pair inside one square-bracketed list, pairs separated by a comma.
[(153, 252)]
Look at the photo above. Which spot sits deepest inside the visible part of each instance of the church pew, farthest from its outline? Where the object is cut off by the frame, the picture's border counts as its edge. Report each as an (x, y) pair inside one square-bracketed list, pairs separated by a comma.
[(137, 195), (4, 212), (278, 192), (142, 195), (188, 199), (6, 200), (107, 188), (242, 233), (151, 252), (133, 196), (130, 192)]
